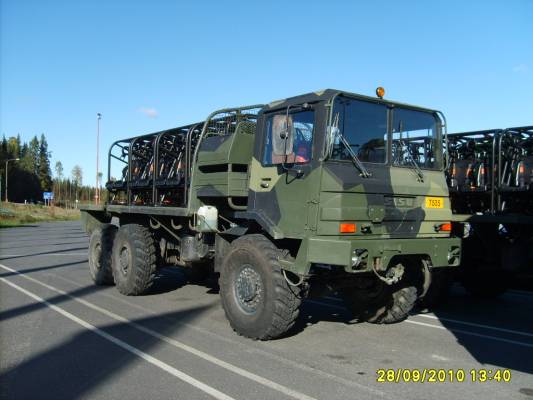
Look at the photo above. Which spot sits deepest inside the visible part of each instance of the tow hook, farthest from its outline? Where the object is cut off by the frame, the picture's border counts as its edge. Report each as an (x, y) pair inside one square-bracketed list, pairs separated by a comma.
[(392, 275)]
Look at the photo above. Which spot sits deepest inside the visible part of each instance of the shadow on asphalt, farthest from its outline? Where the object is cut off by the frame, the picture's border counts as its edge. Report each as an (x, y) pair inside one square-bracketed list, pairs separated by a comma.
[(66, 251), (15, 312), (37, 269), (85, 362), (33, 244), (167, 280), (461, 307), (499, 353), (464, 308)]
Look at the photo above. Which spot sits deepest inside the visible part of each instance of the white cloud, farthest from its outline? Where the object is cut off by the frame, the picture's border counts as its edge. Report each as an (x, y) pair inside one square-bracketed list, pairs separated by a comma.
[(520, 68), (149, 112)]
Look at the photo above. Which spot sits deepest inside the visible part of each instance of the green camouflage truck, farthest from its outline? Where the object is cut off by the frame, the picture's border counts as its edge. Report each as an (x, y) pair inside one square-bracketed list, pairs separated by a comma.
[(327, 191)]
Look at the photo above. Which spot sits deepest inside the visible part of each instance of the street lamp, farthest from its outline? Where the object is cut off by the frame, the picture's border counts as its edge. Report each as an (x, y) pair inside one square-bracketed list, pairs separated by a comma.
[(7, 161), (98, 118)]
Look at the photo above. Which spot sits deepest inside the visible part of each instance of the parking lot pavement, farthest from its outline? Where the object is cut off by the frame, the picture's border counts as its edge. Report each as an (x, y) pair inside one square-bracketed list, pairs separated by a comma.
[(61, 337)]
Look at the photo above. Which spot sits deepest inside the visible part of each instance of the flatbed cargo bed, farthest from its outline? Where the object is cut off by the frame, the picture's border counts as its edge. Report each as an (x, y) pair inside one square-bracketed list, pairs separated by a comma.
[(147, 210)]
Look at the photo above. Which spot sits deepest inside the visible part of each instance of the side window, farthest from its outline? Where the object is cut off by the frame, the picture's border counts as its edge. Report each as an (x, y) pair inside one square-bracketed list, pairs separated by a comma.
[(289, 140)]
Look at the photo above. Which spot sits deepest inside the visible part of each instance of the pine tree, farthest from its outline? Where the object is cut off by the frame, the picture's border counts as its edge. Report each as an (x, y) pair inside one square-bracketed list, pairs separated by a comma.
[(45, 174), (33, 156)]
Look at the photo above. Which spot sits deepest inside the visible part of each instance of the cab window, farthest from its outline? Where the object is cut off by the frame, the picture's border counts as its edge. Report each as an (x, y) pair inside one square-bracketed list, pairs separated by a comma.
[(364, 126), (289, 140)]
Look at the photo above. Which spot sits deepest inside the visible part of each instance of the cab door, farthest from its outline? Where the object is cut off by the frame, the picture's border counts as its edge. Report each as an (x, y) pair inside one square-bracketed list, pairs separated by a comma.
[(283, 176)]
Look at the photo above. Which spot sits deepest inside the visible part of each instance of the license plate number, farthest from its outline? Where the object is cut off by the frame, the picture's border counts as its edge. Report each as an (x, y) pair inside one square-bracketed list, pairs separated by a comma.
[(434, 202)]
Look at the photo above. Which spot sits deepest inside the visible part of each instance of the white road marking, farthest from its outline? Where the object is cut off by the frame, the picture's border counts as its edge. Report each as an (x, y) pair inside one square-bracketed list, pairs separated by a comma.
[(255, 350), (475, 325), (471, 333), (134, 350), (223, 364), (442, 327), (439, 358)]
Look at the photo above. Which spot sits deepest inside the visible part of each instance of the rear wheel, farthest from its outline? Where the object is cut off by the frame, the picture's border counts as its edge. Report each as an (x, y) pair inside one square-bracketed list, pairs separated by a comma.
[(380, 303), (134, 260), (100, 249), (257, 300)]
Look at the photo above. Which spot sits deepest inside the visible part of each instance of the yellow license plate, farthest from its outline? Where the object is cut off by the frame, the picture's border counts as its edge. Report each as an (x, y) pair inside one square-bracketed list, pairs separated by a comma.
[(434, 202)]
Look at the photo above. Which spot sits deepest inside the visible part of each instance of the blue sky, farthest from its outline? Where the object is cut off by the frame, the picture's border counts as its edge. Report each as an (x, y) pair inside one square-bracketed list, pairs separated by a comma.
[(151, 65)]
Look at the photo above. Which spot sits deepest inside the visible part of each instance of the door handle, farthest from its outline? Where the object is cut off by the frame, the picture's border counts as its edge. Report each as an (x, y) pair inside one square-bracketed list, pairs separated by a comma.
[(265, 183)]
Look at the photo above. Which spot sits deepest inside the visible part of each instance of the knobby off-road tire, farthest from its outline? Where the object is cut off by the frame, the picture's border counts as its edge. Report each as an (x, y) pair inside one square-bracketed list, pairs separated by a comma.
[(387, 304), (257, 300), (100, 249), (439, 289), (134, 260)]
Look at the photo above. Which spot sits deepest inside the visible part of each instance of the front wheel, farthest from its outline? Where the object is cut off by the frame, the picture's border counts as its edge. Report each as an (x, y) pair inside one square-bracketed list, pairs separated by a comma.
[(257, 300), (380, 303)]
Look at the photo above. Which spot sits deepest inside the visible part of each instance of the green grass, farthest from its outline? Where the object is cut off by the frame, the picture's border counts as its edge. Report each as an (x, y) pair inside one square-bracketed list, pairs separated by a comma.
[(12, 215)]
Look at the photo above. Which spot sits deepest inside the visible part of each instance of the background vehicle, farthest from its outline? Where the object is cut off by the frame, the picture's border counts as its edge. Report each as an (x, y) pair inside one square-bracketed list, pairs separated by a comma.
[(490, 177), (325, 191)]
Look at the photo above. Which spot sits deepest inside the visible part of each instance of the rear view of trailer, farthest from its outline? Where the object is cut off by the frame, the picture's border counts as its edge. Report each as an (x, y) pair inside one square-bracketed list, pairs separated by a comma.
[(490, 178)]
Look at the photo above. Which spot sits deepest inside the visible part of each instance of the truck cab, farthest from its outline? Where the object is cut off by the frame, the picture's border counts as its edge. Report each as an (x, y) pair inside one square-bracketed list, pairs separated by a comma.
[(358, 180)]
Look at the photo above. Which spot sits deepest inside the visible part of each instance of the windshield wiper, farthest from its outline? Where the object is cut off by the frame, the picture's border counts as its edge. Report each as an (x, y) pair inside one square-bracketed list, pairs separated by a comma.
[(413, 162), (359, 165), (411, 158)]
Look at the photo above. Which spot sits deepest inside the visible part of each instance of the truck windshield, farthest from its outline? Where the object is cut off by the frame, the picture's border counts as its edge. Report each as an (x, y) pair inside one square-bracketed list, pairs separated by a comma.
[(414, 135), (415, 139), (364, 126)]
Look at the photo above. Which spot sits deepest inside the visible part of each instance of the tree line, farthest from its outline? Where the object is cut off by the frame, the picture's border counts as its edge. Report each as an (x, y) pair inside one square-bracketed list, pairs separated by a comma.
[(31, 175)]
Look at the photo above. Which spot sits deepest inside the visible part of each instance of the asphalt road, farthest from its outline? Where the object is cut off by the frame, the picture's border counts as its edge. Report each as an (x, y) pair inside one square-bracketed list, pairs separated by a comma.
[(61, 337)]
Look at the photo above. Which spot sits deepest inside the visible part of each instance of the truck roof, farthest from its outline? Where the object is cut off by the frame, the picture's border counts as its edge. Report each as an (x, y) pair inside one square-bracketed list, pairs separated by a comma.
[(328, 94)]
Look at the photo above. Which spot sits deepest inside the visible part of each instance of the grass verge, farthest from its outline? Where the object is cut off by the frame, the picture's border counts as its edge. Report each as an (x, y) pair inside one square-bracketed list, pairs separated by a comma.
[(12, 214)]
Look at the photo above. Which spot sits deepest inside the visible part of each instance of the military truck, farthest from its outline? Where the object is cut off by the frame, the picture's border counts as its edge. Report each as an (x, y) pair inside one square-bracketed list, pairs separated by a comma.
[(490, 178), (325, 191)]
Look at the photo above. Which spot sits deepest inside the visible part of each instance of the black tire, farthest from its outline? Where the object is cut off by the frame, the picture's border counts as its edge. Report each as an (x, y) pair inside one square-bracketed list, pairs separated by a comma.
[(134, 260), (386, 304), (100, 249), (257, 300), (439, 290)]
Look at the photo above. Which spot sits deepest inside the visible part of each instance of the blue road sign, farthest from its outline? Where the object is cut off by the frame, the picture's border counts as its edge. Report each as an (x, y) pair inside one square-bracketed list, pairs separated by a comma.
[(48, 195)]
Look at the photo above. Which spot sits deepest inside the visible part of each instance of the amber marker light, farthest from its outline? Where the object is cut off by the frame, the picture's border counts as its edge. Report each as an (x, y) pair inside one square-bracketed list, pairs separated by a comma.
[(347, 228), (380, 92), (446, 227)]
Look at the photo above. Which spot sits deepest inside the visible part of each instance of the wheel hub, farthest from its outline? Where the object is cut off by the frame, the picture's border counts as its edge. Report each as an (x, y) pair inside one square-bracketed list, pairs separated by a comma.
[(124, 260), (248, 289)]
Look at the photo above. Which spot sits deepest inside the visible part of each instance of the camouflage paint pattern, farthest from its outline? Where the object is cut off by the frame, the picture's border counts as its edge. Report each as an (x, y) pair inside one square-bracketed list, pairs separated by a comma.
[(308, 202)]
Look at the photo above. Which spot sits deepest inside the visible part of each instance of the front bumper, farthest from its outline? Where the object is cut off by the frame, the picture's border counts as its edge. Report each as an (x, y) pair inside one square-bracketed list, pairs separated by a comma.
[(442, 252)]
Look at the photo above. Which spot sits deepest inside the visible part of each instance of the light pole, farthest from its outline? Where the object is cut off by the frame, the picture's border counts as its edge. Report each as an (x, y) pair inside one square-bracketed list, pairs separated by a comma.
[(7, 161), (98, 118)]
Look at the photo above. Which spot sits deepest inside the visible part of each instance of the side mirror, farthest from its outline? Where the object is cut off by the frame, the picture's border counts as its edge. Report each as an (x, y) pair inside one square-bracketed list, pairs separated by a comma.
[(282, 138)]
